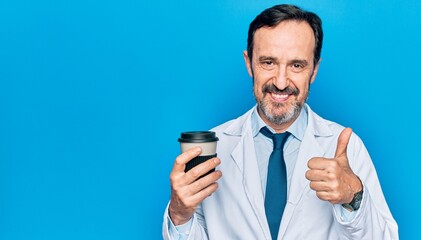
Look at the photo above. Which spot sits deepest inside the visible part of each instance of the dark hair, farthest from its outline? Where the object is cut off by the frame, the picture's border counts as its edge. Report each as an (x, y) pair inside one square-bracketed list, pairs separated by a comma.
[(276, 14)]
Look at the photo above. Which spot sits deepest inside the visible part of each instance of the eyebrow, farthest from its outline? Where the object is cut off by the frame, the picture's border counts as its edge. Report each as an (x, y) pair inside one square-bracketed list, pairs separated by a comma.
[(274, 59), (266, 58), (300, 61)]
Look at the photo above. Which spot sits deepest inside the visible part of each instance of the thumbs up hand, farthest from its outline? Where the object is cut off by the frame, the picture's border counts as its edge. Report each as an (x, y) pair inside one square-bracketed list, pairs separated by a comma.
[(332, 178)]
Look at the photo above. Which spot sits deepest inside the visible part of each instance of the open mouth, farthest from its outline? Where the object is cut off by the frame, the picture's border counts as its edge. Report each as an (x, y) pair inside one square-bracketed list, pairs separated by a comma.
[(279, 97)]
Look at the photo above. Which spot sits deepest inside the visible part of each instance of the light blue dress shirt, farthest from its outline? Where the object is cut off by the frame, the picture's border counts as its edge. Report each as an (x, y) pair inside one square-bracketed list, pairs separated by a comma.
[(263, 147)]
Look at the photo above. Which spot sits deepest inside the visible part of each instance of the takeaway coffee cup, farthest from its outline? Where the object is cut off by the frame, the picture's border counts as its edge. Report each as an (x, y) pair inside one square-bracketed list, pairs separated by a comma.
[(206, 140)]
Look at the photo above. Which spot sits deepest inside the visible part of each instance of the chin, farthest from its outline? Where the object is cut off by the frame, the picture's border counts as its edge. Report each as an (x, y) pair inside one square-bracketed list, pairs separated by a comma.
[(280, 113)]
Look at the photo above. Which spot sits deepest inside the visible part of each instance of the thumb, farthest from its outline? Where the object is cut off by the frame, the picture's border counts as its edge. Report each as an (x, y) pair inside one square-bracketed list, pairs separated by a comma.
[(343, 140)]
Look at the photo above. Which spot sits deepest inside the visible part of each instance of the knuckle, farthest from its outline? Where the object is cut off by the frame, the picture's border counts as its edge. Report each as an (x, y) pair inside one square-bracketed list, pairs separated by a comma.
[(336, 197), (173, 177), (196, 172), (333, 164), (335, 185), (197, 184), (331, 176), (210, 163), (320, 195), (179, 160), (213, 163)]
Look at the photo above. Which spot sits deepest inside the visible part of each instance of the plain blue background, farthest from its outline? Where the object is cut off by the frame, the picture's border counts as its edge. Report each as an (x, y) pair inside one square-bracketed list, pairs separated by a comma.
[(94, 94)]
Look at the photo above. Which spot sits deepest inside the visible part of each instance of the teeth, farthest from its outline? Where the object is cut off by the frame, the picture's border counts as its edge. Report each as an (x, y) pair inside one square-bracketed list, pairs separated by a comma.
[(279, 95)]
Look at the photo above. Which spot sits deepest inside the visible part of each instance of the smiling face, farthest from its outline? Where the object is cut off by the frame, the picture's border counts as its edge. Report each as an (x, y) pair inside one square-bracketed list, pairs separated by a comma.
[(282, 69)]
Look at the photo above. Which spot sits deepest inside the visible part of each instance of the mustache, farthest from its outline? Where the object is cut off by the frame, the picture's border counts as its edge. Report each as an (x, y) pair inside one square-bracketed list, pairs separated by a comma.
[(271, 88)]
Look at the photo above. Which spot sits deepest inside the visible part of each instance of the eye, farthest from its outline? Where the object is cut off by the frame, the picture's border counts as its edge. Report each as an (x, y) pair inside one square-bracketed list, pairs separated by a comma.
[(297, 65), (267, 64)]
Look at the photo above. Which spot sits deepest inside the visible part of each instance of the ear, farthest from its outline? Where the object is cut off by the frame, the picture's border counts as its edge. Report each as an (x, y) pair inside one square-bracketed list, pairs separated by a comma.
[(316, 69), (248, 63)]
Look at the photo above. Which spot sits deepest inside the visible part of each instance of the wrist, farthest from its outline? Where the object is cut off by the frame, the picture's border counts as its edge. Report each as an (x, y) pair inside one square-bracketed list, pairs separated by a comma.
[(177, 218), (355, 202), (357, 186)]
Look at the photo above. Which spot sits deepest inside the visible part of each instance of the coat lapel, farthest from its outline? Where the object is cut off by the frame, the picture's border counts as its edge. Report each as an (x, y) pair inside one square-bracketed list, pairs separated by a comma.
[(244, 156), (309, 148), (251, 179)]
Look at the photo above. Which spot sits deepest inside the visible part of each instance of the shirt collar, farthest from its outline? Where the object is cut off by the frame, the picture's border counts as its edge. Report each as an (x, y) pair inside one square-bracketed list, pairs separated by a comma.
[(297, 128)]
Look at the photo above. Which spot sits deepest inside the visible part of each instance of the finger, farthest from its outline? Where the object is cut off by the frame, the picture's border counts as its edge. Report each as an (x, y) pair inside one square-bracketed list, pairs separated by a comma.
[(320, 186), (182, 159), (206, 192), (343, 141), (323, 195), (319, 163), (316, 175), (332, 197), (201, 169), (204, 182)]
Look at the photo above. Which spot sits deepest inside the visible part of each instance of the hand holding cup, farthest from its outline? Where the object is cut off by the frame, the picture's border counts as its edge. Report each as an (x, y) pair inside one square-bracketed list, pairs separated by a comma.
[(193, 177)]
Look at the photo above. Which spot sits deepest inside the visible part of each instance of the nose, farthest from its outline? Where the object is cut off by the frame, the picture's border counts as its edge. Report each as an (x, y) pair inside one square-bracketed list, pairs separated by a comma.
[(281, 78)]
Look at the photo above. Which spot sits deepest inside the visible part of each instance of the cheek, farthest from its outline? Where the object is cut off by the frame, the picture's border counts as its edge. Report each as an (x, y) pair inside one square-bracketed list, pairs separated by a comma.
[(257, 90), (261, 78), (304, 90), (257, 86)]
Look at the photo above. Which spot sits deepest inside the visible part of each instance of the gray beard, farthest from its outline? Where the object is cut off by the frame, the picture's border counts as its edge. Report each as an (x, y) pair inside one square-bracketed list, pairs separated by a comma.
[(286, 117), (281, 118)]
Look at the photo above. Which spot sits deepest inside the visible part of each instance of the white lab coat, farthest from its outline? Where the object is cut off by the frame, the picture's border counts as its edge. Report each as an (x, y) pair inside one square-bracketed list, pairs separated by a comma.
[(236, 209)]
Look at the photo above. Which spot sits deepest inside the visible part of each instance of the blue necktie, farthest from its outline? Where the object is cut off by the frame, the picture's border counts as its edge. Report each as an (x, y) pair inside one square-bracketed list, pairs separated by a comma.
[(276, 185)]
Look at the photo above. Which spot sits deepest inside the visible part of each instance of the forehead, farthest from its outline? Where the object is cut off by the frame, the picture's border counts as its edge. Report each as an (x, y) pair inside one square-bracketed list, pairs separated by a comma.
[(289, 38)]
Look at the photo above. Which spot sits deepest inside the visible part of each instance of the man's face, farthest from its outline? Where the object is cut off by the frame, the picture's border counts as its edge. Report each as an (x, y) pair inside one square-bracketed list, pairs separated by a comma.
[(282, 69)]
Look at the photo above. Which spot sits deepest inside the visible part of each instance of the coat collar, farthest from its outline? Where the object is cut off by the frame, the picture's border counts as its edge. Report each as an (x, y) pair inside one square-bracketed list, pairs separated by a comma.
[(316, 125)]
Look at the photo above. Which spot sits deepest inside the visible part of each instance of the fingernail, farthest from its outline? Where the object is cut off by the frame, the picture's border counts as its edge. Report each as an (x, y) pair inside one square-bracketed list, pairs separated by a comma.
[(216, 160)]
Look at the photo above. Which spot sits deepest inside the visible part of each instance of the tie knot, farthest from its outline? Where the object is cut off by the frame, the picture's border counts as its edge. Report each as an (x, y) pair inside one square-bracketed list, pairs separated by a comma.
[(278, 139)]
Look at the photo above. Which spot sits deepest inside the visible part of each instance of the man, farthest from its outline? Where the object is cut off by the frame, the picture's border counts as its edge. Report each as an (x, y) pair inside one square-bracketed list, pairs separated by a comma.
[(330, 187)]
